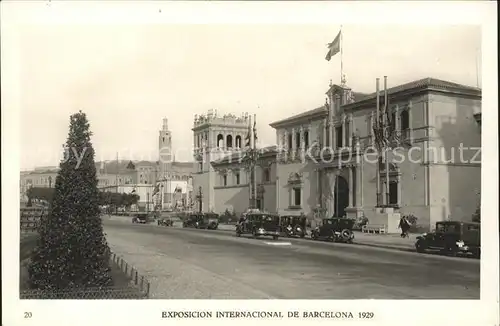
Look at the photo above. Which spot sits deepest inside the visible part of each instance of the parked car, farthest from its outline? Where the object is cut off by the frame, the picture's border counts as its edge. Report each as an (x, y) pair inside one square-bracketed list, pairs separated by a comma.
[(165, 222), (202, 221), (293, 226), (258, 224), (334, 229), (452, 238), (141, 218)]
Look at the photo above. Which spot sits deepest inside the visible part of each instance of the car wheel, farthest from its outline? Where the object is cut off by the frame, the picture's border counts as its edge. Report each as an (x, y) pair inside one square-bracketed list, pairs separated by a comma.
[(314, 236), (420, 246)]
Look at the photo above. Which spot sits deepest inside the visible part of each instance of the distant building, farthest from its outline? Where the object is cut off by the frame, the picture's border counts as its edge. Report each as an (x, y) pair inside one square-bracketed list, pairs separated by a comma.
[(174, 179)]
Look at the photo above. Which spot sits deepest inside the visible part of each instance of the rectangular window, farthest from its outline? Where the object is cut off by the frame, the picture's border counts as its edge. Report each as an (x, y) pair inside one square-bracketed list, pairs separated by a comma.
[(224, 180), (297, 140), (290, 145), (327, 140), (339, 136), (306, 139), (296, 197), (267, 175), (393, 193), (237, 178), (200, 167)]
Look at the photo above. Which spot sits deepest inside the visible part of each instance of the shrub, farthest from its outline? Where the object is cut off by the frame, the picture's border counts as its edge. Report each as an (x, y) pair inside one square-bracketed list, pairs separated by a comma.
[(72, 250)]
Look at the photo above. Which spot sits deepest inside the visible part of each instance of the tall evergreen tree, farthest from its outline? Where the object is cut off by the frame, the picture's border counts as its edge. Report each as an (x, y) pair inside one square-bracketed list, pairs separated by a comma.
[(72, 251)]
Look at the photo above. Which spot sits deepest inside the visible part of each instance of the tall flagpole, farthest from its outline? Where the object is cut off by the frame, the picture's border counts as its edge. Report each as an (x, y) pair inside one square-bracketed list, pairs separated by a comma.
[(341, 57), (254, 171)]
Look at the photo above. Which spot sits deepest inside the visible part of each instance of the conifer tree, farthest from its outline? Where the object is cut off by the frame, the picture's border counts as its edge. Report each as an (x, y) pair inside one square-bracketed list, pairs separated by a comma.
[(72, 251)]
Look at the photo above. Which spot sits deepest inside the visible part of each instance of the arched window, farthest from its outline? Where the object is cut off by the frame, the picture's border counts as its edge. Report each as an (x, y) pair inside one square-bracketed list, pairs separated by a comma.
[(220, 140), (238, 141), (229, 141)]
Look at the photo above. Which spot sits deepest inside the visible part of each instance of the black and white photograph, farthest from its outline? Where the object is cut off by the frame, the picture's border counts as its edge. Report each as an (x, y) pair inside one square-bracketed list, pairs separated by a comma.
[(325, 159)]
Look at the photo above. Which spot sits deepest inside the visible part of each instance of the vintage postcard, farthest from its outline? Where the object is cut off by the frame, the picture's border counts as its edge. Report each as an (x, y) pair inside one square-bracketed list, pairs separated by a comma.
[(205, 162)]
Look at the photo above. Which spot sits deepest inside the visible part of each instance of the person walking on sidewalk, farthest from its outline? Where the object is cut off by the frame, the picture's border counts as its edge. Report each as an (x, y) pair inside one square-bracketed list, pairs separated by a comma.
[(404, 224)]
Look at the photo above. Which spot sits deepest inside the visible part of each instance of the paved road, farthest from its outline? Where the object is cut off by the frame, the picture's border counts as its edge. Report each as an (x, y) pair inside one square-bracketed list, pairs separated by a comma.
[(200, 264)]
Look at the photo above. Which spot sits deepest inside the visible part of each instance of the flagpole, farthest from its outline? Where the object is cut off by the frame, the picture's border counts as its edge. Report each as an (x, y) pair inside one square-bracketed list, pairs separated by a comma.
[(341, 57), (255, 162)]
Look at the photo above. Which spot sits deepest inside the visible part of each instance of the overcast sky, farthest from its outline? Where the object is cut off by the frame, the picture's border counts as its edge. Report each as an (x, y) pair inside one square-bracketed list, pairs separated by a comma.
[(127, 78)]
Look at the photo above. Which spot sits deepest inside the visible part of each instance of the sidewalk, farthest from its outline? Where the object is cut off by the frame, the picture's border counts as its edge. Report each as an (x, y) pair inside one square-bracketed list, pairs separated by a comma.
[(389, 241)]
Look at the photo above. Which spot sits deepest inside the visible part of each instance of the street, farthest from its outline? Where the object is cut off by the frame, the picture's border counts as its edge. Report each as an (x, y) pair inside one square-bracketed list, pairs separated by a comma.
[(201, 264)]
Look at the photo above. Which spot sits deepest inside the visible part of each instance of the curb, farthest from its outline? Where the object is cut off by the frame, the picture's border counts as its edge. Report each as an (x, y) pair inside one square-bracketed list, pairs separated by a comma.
[(383, 246), (398, 248)]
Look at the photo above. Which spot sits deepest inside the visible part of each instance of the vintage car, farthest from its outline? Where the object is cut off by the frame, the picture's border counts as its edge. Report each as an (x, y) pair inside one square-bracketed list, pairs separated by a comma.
[(211, 220), (258, 224), (162, 221), (452, 238), (293, 226), (202, 221), (141, 218), (334, 229)]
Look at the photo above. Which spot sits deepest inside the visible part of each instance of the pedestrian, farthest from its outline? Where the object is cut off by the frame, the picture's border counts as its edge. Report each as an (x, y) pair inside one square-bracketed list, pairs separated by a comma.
[(405, 226)]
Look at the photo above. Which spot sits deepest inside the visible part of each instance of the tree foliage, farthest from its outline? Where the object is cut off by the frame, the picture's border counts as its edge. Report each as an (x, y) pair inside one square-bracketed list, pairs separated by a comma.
[(72, 251), (41, 193)]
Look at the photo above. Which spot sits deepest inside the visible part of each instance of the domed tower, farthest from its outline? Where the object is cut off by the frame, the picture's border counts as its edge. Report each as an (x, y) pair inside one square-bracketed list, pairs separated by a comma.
[(214, 137)]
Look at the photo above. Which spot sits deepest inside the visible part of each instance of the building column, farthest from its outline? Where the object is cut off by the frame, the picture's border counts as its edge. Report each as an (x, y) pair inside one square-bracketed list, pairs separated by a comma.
[(302, 143), (344, 132), (334, 135), (277, 195), (318, 188), (294, 148), (325, 123), (278, 139), (350, 131), (331, 131), (358, 201), (351, 185)]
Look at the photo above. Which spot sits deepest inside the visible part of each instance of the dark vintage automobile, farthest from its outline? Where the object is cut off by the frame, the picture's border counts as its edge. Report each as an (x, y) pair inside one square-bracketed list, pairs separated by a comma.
[(334, 229), (259, 224), (202, 221), (293, 226), (452, 238), (141, 218), (165, 221)]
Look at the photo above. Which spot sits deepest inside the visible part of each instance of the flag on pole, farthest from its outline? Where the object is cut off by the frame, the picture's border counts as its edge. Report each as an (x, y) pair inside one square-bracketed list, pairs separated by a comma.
[(255, 128), (248, 137), (156, 189), (334, 47)]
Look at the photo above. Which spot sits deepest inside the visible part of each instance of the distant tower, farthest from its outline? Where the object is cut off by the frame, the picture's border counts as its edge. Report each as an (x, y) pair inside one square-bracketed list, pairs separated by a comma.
[(164, 148), (215, 137)]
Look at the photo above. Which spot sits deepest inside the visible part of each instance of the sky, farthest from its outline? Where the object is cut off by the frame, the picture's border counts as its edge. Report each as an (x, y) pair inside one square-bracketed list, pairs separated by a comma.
[(127, 78)]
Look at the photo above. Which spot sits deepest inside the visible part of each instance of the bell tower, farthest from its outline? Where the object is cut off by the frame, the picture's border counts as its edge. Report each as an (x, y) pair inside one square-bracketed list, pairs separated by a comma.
[(165, 142)]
